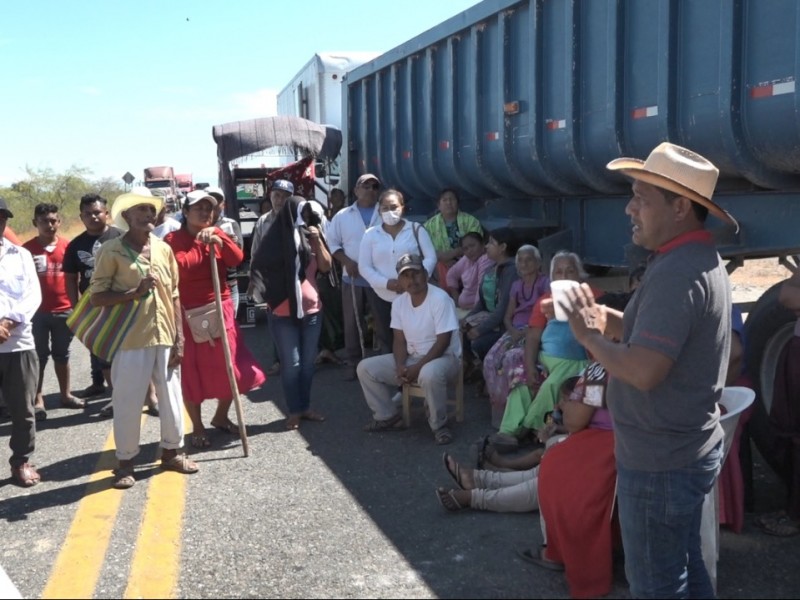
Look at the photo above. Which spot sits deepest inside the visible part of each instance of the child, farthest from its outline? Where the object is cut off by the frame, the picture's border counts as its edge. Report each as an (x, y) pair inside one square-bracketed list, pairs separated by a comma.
[(468, 272)]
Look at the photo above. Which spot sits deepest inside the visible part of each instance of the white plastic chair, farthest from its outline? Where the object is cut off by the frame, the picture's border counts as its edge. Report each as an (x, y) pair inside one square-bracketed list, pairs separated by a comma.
[(736, 400)]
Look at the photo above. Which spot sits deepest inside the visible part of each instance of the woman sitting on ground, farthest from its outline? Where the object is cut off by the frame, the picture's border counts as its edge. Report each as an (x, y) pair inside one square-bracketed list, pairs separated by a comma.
[(577, 482), (549, 343), (482, 324), (446, 228), (504, 365), (464, 277), (515, 490)]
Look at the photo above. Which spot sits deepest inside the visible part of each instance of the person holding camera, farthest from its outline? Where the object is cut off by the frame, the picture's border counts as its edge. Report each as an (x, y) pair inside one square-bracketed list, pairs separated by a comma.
[(284, 272)]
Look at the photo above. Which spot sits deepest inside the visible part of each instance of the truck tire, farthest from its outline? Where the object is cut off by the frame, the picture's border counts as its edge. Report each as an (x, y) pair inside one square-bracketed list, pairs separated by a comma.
[(768, 329)]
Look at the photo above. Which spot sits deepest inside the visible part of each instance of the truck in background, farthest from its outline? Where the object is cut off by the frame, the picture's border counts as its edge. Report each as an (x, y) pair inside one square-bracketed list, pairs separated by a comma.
[(519, 105), (312, 142), (315, 93), (184, 181), (161, 182)]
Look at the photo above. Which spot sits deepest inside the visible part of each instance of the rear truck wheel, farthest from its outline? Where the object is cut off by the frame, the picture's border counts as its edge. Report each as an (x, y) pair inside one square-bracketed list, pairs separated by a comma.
[(768, 329)]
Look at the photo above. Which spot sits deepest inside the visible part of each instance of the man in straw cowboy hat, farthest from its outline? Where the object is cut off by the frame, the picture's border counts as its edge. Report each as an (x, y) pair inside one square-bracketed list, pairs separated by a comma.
[(139, 266), (667, 373)]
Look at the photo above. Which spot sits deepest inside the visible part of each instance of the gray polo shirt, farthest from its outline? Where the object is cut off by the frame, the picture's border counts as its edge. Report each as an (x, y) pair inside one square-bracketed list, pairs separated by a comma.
[(682, 309)]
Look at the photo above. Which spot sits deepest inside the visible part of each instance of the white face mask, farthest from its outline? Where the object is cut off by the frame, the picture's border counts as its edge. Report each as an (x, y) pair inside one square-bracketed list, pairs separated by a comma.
[(392, 217)]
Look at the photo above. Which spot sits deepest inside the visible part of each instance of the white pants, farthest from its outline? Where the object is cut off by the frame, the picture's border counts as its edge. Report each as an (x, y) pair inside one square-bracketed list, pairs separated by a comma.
[(378, 378), (131, 372), (513, 491)]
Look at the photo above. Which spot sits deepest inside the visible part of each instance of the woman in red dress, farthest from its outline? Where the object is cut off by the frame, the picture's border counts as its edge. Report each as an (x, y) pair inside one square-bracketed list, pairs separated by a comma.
[(203, 371)]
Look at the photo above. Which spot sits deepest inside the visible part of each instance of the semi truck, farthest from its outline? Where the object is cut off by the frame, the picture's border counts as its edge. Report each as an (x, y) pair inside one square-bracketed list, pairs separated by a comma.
[(162, 182), (520, 104), (315, 94), (184, 182), (311, 142)]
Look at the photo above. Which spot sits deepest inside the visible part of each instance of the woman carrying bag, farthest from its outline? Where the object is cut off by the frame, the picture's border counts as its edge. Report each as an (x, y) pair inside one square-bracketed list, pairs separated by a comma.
[(203, 363), (140, 268)]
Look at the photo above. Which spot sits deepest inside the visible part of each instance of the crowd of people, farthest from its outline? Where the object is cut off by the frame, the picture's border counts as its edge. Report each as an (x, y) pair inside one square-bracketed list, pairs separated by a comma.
[(607, 418)]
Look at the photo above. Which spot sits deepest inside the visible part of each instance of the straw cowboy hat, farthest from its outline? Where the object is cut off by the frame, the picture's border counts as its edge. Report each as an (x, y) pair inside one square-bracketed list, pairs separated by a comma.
[(138, 195), (678, 170)]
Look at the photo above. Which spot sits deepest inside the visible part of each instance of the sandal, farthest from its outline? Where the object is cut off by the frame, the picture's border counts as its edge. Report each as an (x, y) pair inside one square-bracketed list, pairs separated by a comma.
[(390, 424), (229, 427), (72, 402), (454, 473), (538, 559), (123, 478), (767, 518), (448, 500), (199, 440), (25, 475), (107, 411), (782, 527), (179, 463), (40, 414), (483, 454), (442, 436), (310, 415), (293, 422)]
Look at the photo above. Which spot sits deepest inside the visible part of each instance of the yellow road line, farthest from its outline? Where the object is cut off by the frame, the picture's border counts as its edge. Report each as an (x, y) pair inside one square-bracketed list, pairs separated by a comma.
[(156, 559), (77, 568), (156, 563)]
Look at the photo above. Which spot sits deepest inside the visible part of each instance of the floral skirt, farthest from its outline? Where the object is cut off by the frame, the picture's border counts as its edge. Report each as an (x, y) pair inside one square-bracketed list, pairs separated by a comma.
[(504, 368)]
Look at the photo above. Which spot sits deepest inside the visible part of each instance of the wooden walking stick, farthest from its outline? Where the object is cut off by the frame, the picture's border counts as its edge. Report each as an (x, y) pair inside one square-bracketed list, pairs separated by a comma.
[(237, 402)]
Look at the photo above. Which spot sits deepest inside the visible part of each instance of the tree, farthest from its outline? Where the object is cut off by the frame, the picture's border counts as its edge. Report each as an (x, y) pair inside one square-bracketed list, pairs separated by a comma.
[(50, 187)]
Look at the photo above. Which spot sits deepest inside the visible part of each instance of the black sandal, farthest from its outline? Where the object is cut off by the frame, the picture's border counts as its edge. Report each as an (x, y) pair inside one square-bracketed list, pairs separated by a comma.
[(448, 500), (390, 424), (454, 473)]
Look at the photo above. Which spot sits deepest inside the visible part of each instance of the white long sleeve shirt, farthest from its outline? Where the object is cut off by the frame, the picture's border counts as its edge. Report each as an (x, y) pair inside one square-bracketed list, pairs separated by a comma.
[(379, 253), (346, 230), (20, 295)]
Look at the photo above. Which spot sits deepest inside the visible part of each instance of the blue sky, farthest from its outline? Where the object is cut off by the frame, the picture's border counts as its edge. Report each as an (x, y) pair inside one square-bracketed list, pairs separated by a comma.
[(116, 86)]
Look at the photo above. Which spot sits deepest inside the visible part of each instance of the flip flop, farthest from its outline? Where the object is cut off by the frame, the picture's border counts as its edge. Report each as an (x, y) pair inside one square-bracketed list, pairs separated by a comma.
[(765, 519), (199, 441), (448, 500), (538, 559), (229, 427), (782, 527), (454, 473), (310, 415)]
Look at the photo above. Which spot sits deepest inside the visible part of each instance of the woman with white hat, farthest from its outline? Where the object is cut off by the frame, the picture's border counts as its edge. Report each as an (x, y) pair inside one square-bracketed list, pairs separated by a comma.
[(139, 266), (203, 365)]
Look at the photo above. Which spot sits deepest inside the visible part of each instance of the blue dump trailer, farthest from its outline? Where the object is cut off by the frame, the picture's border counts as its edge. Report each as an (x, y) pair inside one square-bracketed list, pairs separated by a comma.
[(519, 105)]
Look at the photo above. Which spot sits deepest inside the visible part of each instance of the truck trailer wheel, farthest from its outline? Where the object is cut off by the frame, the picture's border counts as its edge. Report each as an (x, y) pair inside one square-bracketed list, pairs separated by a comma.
[(768, 329)]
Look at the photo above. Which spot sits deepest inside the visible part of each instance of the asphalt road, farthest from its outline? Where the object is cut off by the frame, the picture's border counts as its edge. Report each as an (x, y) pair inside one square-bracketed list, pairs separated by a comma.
[(328, 511)]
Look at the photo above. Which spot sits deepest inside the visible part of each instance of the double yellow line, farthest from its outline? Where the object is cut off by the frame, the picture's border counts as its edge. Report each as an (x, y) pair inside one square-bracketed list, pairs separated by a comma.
[(155, 566)]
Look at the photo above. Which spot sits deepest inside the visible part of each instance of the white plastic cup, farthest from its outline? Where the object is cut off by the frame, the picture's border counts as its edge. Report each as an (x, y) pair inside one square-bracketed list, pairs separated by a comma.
[(559, 289)]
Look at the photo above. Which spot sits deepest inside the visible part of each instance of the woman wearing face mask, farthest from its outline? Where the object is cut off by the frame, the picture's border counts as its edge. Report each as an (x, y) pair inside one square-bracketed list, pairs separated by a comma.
[(381, 247), (284, 271)]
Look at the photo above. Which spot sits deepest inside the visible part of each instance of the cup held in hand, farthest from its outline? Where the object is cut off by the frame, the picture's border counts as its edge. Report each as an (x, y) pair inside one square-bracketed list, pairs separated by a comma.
[(559, 289)]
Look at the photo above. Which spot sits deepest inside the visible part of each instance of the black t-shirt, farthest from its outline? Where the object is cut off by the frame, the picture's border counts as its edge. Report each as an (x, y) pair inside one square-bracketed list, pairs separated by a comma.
[(80, 254)]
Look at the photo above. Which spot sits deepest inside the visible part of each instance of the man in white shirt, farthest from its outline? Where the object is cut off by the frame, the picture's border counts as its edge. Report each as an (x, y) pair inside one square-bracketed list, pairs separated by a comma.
[(345, 232), (427, 350), (20, 296)]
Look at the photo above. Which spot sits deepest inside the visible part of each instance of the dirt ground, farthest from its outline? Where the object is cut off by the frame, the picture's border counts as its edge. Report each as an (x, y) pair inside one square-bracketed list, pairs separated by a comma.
[(755, 277)]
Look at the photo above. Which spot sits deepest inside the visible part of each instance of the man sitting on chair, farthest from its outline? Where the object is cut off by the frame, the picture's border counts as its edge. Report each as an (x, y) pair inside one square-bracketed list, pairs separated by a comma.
[(426, 351)]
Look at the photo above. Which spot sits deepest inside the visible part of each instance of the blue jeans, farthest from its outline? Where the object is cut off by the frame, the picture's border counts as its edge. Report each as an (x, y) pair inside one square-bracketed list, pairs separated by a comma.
[(296, 341), (659, 514)]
